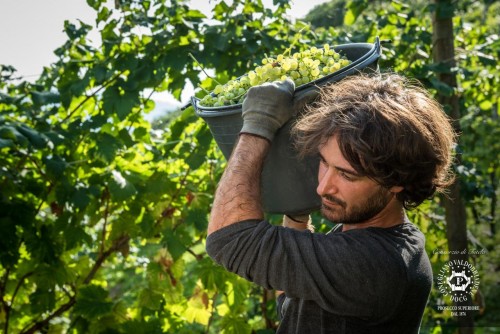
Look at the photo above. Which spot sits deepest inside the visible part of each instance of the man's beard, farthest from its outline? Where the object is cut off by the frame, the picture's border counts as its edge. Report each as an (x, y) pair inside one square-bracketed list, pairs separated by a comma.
[(357, 213)]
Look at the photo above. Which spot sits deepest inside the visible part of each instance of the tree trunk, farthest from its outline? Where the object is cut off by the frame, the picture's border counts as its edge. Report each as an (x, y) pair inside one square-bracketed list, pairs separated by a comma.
[(456, 227)]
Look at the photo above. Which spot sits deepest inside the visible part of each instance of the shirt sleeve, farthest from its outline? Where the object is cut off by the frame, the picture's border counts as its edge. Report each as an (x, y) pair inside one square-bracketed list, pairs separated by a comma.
[(351, 273)]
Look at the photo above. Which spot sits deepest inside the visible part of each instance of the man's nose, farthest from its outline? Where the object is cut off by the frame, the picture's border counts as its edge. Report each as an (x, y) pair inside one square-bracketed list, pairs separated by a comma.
[(327, 181)]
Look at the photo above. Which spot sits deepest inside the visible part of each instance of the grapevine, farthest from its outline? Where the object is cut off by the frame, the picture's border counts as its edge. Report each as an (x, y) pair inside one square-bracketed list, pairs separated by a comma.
[(302, 67)]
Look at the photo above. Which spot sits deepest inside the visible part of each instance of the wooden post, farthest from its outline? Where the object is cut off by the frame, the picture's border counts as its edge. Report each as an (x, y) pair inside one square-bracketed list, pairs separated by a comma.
[(456, 226)]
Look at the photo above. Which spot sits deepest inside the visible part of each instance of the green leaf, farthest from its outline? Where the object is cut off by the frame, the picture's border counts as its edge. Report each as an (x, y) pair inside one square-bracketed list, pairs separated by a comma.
[(177, 127), (486, 105), (175, 246), (48, 276), (55, 166), (220, 9), (197, 312), (104, 14), (235, 324), (7, 132), (36, 139), (55, 137), (80, 198), (75, 236), (106, 148), (125, 137), (198, 155), (10, 132), (44, 246), (445, 10), (120, 188), (195, 14), (6, 143), (9, 242), (150, 299), (159, 183), (140, 132), (442, 87), (95, 4), (152, 326), (92, 302), (212, 276), (197, 217), (125, 224), (42, 300), (119, 102), (354, 9), (43, 98), (349, 17)]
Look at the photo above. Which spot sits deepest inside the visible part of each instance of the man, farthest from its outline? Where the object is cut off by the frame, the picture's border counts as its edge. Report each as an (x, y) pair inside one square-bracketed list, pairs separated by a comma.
[(384, 146)]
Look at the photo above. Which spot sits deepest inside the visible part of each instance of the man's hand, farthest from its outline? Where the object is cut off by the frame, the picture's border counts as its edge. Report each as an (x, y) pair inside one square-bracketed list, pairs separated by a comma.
[(267, 107), (300, 223)]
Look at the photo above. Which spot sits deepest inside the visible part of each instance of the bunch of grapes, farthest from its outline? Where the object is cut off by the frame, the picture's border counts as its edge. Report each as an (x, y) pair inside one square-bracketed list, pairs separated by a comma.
[(302, 67)]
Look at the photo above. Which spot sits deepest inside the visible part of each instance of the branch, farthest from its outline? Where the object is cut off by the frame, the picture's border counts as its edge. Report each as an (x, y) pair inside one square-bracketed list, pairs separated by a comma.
[(18, 286), (104, 85), (143, 103), (42, 323), (212, 313), (118, 243), (263, 308), (72, 300), (202, 68), (173, 197), (105, 197), (6, 307), (198, 257)]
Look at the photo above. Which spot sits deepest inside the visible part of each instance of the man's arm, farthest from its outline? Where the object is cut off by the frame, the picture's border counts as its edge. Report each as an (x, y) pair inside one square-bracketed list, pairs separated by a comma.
[(265, 109), (238, 195)]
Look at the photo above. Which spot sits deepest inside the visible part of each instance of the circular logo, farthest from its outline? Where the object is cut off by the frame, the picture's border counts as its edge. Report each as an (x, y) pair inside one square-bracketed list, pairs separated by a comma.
[(459, 279)]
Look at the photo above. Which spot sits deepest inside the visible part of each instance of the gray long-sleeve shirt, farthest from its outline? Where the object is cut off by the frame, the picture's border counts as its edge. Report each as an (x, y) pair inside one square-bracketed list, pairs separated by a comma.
[(371, 280)]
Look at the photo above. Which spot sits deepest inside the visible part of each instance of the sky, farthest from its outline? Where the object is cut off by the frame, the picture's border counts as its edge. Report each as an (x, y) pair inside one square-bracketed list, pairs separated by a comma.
[(30, 30)]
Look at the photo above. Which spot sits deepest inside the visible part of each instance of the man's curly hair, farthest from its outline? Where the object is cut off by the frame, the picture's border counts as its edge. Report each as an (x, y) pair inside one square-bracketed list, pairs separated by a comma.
[(388, 128)]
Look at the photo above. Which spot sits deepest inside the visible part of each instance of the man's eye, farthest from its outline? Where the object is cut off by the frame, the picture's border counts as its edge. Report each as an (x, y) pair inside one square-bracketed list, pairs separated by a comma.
[(346, 176)]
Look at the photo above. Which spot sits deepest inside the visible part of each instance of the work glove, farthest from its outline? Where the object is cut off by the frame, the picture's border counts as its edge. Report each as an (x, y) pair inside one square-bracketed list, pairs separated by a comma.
[(267, 107)]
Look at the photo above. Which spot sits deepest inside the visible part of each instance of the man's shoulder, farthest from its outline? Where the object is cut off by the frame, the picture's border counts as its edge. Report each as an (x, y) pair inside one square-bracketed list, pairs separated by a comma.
[(396, 246), (406, 234)]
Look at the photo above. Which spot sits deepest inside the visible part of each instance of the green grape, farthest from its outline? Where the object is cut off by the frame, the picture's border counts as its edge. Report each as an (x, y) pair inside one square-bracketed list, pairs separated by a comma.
[(301, 67), (315, 72), (303, 72), (218, 89)]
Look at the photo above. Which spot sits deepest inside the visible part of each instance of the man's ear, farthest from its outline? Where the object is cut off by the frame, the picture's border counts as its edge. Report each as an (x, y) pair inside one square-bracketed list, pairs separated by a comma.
[(396, 189)]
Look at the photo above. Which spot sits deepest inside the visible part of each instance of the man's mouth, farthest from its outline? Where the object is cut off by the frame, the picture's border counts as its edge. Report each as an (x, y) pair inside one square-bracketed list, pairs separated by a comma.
[(330, 201)]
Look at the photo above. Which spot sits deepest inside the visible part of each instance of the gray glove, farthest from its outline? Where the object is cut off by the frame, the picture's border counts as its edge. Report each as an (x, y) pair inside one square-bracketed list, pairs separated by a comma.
[(267, 107)]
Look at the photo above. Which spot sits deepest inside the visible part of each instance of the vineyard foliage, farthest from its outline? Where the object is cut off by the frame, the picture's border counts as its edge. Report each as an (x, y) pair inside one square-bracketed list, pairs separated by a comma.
[(104, 215)]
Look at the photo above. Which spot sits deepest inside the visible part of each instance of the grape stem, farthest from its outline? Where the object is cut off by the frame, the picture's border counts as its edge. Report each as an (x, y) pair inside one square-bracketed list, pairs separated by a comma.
[(295, 39), (202, 69), (238, 96), (206, 91)]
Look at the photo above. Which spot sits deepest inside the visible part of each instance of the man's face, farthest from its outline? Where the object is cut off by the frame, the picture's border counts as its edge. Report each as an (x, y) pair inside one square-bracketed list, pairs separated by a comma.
[(346, 196)]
